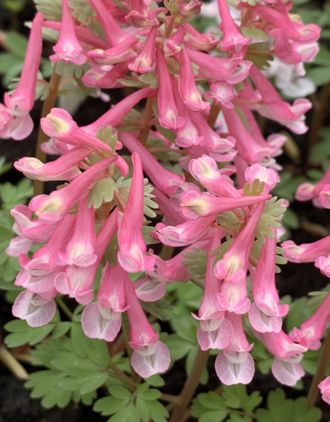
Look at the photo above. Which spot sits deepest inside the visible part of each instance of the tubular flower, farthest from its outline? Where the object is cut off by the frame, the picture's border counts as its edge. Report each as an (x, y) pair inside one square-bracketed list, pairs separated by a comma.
[(68, 48), (215, 331), (319, 193), (132, 248), (324, 387), (266, 313), (15, 120), (312, 330), (235, 365), (102, 319), (150, 356), (232, 268)]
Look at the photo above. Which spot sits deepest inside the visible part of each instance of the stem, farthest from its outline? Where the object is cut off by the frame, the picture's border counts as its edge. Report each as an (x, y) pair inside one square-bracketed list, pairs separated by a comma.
[(171, 399), (170, 26), (320, 372), (12, 364), (119, 374), (166, 252), (320, 110), (47, 106), (144, 133), (64, 307), (314, 229), (190, 385), (215, 109)]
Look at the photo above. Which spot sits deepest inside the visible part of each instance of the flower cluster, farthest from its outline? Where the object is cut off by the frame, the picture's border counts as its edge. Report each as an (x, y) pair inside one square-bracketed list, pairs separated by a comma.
[(211, 169)]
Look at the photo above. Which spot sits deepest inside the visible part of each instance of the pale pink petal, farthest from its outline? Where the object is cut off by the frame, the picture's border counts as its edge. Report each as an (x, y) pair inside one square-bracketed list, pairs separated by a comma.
[(34, 309), (264, 323), (324, 387), (101, 323), (21, 127), (287, 373), (18, 246), (234, 368), (214, 334), (151, 360), (150, 290)]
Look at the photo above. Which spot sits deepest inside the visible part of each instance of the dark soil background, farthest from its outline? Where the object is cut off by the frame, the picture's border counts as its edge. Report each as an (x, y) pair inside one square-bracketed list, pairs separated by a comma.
[(294, 280)]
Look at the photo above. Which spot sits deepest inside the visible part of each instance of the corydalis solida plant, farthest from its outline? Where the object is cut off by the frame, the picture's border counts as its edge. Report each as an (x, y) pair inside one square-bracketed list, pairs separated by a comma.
[(202, 94)]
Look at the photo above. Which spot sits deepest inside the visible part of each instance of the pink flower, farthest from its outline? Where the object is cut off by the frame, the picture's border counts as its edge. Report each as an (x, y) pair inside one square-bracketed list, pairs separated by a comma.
[(265, 314), (223, 93), (274, 108), (205, 170), (150, 356), (218, 69), (189, 92), (34, 309), (102, 319), (52, 207), (120, 53), (28, 231), (319, 193), (312, 330), (235, 365), (266, 175), (194, 204), (78, 281), (38, 273), (15, 121), (117, 113), (59, 124), (115, 35), (324, 387), (68, 48), (64, 168), (145, 61), (286, 368), (168, 113), (247, 145), (80, 251), (132, 248), (232, 268), (317, 252), (85, 35), (166, 181), (232, 38), (185, 233), (215, 331), (197, 40)]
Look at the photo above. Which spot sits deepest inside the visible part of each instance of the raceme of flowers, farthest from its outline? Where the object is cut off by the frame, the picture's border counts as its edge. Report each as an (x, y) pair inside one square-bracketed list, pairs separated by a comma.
[(190, 170)]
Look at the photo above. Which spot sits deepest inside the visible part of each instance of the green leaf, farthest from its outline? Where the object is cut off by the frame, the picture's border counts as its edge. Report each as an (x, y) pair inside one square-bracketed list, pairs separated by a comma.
[(120, 392), (160, 309), (236, 397), (16, 43), (12, 195), (102, 192), (110, 405), (14, 6), (46, 385), (95, 350), (155, 381), (158, 412), (320, 75), (22, 334), (178, 346), (209, 407), (280, 409), (127, 414)]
